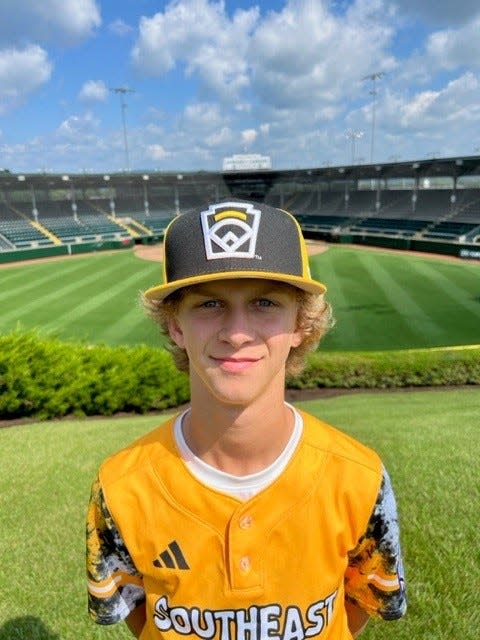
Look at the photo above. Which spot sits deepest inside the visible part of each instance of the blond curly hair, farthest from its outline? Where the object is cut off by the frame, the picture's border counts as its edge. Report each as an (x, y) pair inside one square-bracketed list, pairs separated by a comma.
[(314, 319)]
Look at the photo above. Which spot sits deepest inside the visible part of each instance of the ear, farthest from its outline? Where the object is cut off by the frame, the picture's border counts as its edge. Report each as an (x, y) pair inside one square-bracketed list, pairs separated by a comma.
[(175, 332), (297, 338)]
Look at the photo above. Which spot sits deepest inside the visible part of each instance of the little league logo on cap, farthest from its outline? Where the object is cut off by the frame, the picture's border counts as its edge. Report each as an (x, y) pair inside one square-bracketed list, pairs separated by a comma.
[(230, 233), (231, 240)]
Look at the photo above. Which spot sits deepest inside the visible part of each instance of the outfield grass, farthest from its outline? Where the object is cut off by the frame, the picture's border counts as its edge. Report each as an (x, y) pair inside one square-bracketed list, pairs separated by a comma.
[(381, 300), (385, 300), (428, 440)]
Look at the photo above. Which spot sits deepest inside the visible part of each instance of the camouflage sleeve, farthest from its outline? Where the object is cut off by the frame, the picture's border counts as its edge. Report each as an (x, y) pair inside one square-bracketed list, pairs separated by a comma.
[(115, 587), (374, 579)]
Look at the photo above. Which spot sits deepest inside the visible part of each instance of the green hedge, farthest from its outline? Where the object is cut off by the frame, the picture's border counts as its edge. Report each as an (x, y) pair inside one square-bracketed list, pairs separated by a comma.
[(386, 369), (45, 378)]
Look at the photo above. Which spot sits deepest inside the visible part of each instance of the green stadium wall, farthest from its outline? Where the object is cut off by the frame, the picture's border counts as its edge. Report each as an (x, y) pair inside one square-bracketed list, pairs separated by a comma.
[(469, 251), (63, 250)]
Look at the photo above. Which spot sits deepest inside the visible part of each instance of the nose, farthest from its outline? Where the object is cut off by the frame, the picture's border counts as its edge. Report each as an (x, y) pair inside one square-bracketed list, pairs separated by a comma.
[(237, 328)]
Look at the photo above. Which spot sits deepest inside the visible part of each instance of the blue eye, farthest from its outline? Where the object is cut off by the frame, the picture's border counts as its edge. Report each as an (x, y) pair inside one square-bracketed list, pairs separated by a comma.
[(264, 302), (210, 304)]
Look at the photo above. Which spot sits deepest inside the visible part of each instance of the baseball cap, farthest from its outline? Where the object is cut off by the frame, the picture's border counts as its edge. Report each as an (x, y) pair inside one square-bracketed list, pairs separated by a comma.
[(231, 240)]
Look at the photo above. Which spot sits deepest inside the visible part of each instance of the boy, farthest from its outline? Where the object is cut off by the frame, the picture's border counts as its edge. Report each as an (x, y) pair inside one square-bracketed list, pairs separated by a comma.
[(242, 518)]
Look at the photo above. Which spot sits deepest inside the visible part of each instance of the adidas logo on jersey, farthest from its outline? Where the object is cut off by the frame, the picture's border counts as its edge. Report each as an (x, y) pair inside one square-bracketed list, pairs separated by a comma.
[(171, 558)]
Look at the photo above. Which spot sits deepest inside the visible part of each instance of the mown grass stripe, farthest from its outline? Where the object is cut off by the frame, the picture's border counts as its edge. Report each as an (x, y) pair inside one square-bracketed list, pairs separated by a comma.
[(371, 306), (103, 299), (366, 318), (398, 286), (33, 279), (65, 292), (132, 322), (450, 283), (323, 267)]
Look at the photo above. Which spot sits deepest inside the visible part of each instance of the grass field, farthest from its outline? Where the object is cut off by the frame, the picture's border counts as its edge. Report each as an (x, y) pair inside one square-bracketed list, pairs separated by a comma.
[(428, 440), (381, 300)]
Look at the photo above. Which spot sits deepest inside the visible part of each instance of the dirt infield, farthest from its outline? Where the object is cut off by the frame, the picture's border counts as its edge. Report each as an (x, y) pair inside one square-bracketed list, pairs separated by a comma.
[(155, 252)]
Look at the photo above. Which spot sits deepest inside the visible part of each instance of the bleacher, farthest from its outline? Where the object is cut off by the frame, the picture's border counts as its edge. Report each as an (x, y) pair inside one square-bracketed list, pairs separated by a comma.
[(51, 209), (156, 222), (125, 206), (5, 245), (449, 230), (433, 214), (467, 206), (321, 222), (22, 234), (361, 203), (102, 225), (392, 206), (84, 228), (390, 226), (396, 204)]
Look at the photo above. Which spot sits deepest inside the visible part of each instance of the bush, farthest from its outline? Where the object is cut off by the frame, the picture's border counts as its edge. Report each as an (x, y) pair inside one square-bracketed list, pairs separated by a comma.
[(45, 378), (381, 370)]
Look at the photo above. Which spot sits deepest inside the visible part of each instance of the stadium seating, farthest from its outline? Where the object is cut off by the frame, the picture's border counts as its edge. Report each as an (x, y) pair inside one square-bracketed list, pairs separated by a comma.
[(84, 228), (155, 222), (21, 234), (5, 245), (333, 208), (449, 230), (390, 226)]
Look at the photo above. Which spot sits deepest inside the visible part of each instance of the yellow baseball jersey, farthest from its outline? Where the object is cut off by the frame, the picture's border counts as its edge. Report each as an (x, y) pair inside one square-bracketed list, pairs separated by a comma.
[(278, 565)]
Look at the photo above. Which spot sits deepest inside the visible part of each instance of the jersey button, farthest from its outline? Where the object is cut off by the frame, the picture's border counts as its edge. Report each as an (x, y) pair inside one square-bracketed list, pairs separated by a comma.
[(245, 522), (245, 564)]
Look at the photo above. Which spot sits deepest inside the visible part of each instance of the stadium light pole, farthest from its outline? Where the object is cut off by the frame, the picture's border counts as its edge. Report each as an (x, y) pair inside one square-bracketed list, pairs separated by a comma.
[(373, 77), (122, 91), (353, 135)]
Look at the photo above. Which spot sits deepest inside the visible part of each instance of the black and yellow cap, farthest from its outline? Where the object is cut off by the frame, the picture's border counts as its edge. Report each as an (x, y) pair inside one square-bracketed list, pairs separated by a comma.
[(231, 240)]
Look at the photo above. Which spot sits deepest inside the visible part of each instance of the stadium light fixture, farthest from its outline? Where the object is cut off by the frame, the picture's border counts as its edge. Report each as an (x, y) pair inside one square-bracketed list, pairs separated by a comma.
[(122, 91), (373, 77), (353, 135)]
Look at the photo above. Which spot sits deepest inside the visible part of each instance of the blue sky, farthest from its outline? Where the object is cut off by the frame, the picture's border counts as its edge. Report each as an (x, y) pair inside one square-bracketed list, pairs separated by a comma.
[(210, 79)]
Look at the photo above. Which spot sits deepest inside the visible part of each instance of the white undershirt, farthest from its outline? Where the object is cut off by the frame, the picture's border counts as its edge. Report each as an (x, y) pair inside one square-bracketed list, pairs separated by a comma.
[(242, 487)]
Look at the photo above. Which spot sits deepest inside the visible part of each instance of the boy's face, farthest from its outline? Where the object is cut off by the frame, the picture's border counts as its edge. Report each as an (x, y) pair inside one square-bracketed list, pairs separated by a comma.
[(237, 334)]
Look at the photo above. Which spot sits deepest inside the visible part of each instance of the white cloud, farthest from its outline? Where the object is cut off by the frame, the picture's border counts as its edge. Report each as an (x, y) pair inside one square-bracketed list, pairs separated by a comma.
[(307, 55), (65, 21), (201, 117), (119, 27), (93, 91), (200, 35), (287, 82), (78, 128), (427, 122), (452, 48), (458, 101), (157, 152), (22, 71), (220, 138)]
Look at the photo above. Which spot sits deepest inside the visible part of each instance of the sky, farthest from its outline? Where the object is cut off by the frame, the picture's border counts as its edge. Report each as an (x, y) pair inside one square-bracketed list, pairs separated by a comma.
[(309, 83)]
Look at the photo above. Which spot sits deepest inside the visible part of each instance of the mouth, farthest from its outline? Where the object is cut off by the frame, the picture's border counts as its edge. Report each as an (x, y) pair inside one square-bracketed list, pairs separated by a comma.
[(234, 365)]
